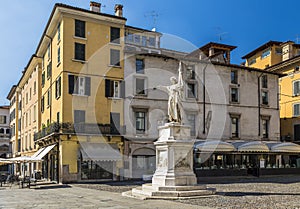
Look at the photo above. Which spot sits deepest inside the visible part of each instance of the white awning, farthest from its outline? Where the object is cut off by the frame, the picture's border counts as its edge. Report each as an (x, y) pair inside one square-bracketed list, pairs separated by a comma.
[(253, 146), (214, 146), (38, 152), (23, 159), (99, 152), (285, 147), (44, 152)]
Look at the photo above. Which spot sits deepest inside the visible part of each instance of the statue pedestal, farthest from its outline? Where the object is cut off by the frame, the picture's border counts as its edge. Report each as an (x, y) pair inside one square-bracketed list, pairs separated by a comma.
[(174, 157), (174, 177)]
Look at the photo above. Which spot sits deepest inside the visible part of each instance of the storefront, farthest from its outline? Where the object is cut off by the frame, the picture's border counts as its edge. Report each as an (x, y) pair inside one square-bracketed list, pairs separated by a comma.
[(215, 158), (98, 161)]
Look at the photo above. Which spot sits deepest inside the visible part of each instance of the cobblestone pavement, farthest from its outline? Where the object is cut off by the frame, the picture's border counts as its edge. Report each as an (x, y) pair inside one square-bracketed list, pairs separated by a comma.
[(252, 193), (273, 193), (65, 196)]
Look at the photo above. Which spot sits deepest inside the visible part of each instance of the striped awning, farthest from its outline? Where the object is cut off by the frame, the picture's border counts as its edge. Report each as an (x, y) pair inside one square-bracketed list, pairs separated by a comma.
[(253, 146), (284, 147), (214, 146)]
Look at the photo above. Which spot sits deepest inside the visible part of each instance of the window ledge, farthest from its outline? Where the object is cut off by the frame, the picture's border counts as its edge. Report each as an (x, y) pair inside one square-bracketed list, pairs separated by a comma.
[(114, 98), (81, 61), (58, 41), (57, 98), (115, 44), (264, 105), (80, 38), (115, 66), (234, 102), (140, 95), (58, 64), (80, 95)]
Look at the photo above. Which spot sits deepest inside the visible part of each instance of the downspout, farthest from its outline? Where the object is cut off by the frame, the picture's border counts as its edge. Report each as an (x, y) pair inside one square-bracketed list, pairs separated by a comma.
[(204, 103), (50, 87), (259, 108)]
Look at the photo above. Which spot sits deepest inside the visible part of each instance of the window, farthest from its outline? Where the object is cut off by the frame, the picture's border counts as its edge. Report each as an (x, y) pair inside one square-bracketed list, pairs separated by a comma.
[(264, 81), (49, 70), (34, 88), (58, 88), (140, 121), (112, 88), (191, 90), (114, 57), (129, 37), (27, 98), (79, 51), (234, 95), (30, 94), (79, 85), (190, 72), (48, 98), (234, 77), (252, 61), (57, 117), (29, 117), (235, 119), (115, 35), (264, 97), (139, 64), (140, 86), (42, 104), (152, 41), (58, 55), (58, 32), (278, 51), (79, 116), (265, 128), (296, 110), (43, 79), (2, 119), (136, 39), (79, 28), (49, 52), (34, 113), (192, 123), (265, 54), (144, 40), (296, 90)]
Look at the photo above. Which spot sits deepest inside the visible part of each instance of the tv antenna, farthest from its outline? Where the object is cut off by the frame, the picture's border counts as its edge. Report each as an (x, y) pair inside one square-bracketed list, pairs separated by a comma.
[(220, 34), (154, 15)]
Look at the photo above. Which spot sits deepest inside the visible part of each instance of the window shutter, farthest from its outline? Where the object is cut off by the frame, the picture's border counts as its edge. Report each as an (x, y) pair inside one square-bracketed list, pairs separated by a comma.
[(122, 88), (56, 89), (107, 88), (88, 86), (71, 84)]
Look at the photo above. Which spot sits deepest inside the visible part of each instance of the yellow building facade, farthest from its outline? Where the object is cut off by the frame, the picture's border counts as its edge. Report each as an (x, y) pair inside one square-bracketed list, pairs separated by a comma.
[(282, 57), (77, 124)]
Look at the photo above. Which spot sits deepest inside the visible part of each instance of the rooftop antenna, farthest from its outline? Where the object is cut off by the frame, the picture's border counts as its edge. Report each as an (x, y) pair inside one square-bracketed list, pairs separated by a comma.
[(154, 15), (220, 34)]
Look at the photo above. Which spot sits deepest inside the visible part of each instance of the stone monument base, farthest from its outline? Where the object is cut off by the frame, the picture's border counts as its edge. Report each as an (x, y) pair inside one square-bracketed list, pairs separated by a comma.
[(148, 191)]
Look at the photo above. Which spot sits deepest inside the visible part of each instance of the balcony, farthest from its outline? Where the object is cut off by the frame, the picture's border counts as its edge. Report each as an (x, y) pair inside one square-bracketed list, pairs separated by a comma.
[(80, 128)]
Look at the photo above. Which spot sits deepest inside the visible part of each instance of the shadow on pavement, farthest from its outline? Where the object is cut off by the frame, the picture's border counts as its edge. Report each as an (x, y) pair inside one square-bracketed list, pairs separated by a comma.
[(240, 194)]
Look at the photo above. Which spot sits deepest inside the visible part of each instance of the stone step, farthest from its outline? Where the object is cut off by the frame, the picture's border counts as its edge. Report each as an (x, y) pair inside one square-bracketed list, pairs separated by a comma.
[(173, 188)]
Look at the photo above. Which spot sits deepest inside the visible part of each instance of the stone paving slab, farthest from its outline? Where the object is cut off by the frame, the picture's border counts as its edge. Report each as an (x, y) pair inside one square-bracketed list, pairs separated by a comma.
[(76, 197)]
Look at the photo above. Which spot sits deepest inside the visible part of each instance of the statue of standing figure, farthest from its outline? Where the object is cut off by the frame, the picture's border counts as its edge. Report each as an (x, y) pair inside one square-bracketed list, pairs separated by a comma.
[(175, 92)]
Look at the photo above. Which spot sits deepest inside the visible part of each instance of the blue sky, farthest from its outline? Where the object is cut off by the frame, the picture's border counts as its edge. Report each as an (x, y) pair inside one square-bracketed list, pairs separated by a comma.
[(243, 23)]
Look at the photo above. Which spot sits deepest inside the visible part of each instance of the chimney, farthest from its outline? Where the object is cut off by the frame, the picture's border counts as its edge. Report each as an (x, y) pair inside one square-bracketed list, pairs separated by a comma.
[(119, 10), (95, 6)]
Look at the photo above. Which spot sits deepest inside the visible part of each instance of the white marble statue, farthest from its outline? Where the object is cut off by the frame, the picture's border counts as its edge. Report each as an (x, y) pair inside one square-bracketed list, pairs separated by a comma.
[(175, 92)]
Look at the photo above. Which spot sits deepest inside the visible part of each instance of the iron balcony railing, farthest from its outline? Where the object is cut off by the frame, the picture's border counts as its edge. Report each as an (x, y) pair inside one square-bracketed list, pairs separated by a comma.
[(79, 128)]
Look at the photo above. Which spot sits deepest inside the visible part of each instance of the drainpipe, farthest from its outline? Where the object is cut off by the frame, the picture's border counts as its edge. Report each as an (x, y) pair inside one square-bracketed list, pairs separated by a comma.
[(259, 108), (50, 87), (204, 109)]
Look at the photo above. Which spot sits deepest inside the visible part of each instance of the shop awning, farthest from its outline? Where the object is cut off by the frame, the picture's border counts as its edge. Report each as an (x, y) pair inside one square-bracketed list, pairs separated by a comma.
[(285, 147), (253, 146), (44, 152), (4, 161), (38, 152), (214, 146), (100, 152), (23, 159)]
